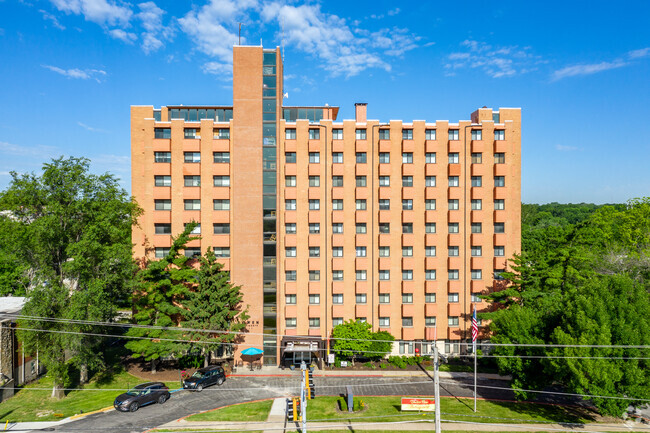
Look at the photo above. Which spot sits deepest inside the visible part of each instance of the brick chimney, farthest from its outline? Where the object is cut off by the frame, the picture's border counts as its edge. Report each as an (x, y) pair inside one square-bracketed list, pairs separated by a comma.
[(360, 111)]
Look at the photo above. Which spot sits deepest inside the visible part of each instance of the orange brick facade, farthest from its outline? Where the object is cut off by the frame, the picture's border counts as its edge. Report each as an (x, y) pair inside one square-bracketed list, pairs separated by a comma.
[(322, 221)]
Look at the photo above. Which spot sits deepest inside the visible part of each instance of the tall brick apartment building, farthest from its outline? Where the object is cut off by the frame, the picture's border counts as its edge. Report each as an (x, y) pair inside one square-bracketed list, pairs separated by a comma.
[(400, 224)]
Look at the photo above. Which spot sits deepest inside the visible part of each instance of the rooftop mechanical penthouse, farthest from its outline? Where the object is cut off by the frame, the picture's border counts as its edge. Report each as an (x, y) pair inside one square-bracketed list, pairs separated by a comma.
[(400, 224)]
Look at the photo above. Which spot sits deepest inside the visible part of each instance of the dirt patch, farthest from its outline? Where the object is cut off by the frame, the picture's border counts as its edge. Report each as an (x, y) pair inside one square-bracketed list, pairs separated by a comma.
[(167, 371)]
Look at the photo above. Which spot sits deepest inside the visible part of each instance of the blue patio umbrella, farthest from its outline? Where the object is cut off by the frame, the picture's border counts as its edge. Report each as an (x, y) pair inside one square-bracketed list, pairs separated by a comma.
[(252, 351)]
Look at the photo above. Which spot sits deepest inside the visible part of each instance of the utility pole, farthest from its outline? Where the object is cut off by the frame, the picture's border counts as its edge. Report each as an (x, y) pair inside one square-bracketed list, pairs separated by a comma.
[(436, 385), (303, 398)]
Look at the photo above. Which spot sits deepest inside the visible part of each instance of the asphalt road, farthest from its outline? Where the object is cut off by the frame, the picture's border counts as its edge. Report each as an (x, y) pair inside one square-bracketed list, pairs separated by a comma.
[(243, 389)]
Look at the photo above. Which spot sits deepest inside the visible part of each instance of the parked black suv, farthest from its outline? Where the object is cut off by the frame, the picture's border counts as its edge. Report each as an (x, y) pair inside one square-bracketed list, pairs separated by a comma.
[(142, 395), (205, 377)]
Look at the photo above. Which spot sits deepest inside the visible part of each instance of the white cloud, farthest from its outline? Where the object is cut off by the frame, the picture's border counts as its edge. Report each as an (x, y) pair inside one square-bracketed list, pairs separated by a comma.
[(639, 54), (112, 163), (122, 35), (224, 70), (49, 17), (151, 17), (586, 69), (76, 73), (393, 12), (35, 151), (496, 62), (103, 12), (90, 128)]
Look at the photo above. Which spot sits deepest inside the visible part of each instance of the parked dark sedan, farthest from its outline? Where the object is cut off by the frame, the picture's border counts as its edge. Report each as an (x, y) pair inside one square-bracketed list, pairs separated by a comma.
[(142, 395), (205, 377)]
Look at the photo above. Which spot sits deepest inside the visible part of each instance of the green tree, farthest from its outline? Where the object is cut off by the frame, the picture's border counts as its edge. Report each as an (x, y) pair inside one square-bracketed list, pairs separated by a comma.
[(381, 345), (159, 292), (352, 338), (215, 304), (71, 231)]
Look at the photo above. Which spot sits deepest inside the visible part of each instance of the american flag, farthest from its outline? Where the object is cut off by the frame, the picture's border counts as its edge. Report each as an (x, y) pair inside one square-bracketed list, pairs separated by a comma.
[(474, 327)]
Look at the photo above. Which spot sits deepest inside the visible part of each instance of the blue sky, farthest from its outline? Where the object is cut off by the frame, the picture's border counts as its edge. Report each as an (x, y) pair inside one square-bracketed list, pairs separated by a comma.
[(580, 72)]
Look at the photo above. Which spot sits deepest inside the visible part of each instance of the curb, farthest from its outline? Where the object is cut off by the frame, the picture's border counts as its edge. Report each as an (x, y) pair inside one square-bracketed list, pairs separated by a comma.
[(81, 415)]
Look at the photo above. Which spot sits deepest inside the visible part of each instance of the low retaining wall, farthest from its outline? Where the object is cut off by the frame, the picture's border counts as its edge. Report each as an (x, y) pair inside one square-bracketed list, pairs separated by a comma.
[(7, 390)]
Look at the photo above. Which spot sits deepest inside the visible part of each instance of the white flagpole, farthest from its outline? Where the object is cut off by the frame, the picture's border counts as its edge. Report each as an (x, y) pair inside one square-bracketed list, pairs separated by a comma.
[(474, 348)]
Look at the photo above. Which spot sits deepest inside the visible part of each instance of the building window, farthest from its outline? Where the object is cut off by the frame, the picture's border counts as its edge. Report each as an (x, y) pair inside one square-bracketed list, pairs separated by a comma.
[(361, 204), (221, 133), (430, 158), (477, 181), (337, 298), (384, 204), (337, 251), (290, 322), (477, 227), (314, 158), (477, 251), (430, 298), (407, 134), (314, 251), (453, 227), (289, 204), (407, 322), (336, 321), (360, 298), (337, 275), (221, 157), (499, 158), (290, 181), (162, 157), (430, 181), (290, 228), (499, 181), (196, 230), (337, 134), (407, 298), (314, 299), (162, 181), (221, 204), (290, 157), (337, 204), (191, 133), (192, 157), (477, 134), (384, 228), (337, 228), (499, 227), (453, 251), (163, 229), (290, 299), (430, 134), (477, 204), (407, 181), (361, 251), (477, 158), (407, 275), (360, 275), (219, 180), (453, 204), (407, 204), (314, 181), (406, 346), (453, 181), (290, 251), (290, 275), (384, 134), (453, 134), (221, 228), (430, 251), (430, 204), (314, 275), (337, 158), (407, 158), (192, 204), (384, 298), (430, 321), (361, 319), (384, 251), (452, 321), (499, 134), (162, 133), (384, 158), (360, 228), (407, 228), (407, 251), (314, 204), (361, 157), (221, 251), (360, 181), (384, 274), (498, 274), (384, 180), (384, 322), (192, 252), (499, 204), (453, 274), (314, 134), (290, 134), (161, 252), (430, 228), (453, 158), (430, 274), (499, 251), (314, 228), (475, 298), (477, 274), (360, 134)]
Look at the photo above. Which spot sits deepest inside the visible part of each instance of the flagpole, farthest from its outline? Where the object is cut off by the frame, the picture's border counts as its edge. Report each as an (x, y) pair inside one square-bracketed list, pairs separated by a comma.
[(474, 335), (474, 375)]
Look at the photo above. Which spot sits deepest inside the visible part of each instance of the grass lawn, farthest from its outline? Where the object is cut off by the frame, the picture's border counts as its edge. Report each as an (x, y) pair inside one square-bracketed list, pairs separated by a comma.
[(30, 404), (380, 409)]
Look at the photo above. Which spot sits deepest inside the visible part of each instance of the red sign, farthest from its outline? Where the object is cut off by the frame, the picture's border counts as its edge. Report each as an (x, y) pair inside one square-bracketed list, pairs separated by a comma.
[(421, 404)]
